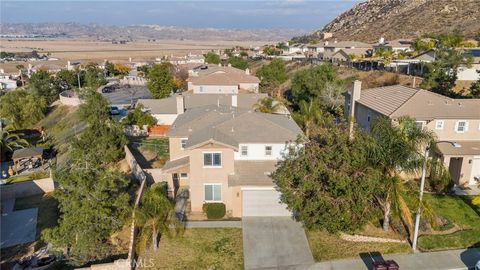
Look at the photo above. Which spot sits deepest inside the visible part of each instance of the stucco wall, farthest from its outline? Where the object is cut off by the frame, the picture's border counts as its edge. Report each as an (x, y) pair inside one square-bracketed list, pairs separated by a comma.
[(175, 148), (249, 86), (257, 152), (27, 188), (362, 114), (214, 89), (448, 132), (465, 171), (69, 99), (165, 119)]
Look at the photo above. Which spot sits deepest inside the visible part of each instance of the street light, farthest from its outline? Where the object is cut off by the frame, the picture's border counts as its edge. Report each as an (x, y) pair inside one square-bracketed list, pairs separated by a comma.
[(422, 185)]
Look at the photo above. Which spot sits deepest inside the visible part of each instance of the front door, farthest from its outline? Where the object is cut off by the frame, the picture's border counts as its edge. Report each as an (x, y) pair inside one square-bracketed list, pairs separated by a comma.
[(455, 169)]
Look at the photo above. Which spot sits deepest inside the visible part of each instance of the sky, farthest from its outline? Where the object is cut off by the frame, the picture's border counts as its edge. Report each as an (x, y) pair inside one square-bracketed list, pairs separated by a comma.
[(296, 14)]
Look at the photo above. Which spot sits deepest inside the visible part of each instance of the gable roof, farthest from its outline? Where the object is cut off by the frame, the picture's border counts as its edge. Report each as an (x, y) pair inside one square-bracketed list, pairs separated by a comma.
[(224, 78), (396, 101), (348, 44), (231, 126)]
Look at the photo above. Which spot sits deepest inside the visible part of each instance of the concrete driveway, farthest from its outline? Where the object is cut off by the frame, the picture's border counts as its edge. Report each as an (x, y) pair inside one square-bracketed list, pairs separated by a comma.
[(274, 243)]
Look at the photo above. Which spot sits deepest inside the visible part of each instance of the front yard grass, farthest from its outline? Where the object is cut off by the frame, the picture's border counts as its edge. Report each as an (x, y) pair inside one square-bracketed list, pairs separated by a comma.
[(456, 209), (199, 249), (326, 246)]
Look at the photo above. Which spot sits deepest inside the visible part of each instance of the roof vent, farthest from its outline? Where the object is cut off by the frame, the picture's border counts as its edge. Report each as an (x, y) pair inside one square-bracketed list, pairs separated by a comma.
[(190, 129)]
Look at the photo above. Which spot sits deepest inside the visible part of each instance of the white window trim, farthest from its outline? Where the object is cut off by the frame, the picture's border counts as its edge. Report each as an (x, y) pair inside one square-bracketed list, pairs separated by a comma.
[(181, 177), (181, 144), (442, 124), (465, 127), (424, 124), (210, 184), (241, 150), (212, 166), (271, 150)]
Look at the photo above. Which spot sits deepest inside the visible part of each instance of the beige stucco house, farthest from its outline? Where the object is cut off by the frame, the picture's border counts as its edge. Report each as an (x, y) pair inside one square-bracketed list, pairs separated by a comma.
[(455, 120), (226, 154)]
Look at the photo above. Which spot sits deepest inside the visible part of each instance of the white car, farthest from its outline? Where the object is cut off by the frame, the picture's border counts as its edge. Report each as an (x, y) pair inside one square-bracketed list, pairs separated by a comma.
[(477, 266)]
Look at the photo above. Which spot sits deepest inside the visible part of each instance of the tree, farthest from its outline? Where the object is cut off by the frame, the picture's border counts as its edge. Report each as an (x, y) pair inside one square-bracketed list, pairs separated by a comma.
[(450, 40), (94, 76), (155, 217), (267, 105), (42, 83), (329, 182), (309, 84), (238, 62), (93, 203), (212, 58), (66, 79), (396, 149), (422, 45), (270, 50), (272, 74), (281, 46), (109, 69), (121, 69), (95, 110), (475, 88), (331, 97), (160, 81), (10, 142), (308, 115), (21, 108), (139, 117), (21, 69)]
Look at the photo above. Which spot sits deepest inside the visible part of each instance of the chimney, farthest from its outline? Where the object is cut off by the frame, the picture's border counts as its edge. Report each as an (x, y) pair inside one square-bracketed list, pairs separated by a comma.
[(234, 101), (247, 71), (68, 65), (354, 97), (180, 105)]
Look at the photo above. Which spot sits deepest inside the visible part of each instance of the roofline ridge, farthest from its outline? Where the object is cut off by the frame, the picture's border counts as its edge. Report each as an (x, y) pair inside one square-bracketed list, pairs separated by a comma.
[(407, 100), (276, 123)]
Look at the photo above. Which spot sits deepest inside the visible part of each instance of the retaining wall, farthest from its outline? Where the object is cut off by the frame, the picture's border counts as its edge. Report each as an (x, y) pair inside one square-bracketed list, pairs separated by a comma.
[(27, 188), (69, 98)]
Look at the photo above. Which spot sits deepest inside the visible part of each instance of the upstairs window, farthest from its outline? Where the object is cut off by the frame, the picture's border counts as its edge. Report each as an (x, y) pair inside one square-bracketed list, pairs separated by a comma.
[(439, 124), (184, 143), (461, 126), (268, 150), (212, 159), (244, 150)]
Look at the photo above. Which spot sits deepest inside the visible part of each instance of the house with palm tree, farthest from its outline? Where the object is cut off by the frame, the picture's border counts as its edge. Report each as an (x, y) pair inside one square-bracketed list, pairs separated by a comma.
[(453, 120), (225, 154)]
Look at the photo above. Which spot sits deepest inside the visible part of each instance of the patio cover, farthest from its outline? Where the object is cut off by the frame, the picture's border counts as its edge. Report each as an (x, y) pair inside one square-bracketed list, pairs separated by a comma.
[(27, 153), (176, 164), (468, 148)]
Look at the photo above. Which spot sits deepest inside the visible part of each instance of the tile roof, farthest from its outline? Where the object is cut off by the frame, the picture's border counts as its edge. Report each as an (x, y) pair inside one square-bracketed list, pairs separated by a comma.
[(347, 44), (232, 126), (396, 100), (175, 164), (220, 75), (466, 148), (252, 173)]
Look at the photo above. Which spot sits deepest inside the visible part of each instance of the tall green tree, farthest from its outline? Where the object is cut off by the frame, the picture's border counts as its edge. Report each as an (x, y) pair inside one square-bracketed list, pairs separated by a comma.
[(22, 108), (272, 75), (212, 58), (21, 70), (396, 149), (329, 182), (267, 105), (155, 217), (160, 81), (309, 84), (238, 62), (308, 116), (94, 76), (10, 141), (66, 79), (475, 88), (42, 83), (139, 117)]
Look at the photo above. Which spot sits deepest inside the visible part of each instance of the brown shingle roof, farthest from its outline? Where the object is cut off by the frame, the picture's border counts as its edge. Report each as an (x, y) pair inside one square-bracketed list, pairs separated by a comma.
[(252, 173)]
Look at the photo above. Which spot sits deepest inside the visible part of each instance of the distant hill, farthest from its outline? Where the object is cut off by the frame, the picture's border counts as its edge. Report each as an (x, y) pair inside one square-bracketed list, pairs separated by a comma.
[(394, 19), (136, 32)]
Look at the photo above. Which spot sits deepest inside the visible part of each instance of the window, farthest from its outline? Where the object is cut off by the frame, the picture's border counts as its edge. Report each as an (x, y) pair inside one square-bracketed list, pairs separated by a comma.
[(420, 124), (184, 175), (439, 124), (244, 150), (268, 150), (212, 159), (184, 143), (368, 118), (201, 88), (213, 192), (461, 126)]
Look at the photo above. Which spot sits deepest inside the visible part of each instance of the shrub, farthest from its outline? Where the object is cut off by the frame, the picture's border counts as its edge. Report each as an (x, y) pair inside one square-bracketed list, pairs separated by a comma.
[(214, 210)]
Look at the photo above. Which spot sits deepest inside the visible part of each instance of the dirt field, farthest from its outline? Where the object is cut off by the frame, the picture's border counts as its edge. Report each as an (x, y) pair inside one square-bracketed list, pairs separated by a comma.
[(97, 51)]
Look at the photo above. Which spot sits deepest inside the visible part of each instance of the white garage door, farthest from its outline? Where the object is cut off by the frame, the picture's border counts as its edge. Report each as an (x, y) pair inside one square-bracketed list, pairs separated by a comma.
[(475, 170), (262, 203)]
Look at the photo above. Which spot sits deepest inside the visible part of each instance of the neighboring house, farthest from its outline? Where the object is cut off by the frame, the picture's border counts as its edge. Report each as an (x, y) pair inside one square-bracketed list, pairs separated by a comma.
[(72, 65), (6, 83), (134, 79), (187, 59), (330, 48), (166, 110), (349, 55), (394, 45), (213, 79), (456, 120), (315, 50), (227, 154), (297, 48), (470, 73), (426, 56)]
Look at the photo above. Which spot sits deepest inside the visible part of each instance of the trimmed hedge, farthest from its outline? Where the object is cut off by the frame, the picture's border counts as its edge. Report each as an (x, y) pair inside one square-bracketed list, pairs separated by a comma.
[(214, 210)]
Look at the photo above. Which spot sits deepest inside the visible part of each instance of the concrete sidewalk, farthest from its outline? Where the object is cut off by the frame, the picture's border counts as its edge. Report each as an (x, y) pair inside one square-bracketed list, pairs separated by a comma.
[(441, 260)]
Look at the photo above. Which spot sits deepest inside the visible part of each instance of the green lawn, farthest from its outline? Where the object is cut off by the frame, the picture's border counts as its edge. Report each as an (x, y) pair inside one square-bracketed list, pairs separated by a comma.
[(326, 246), (457, 210), (200, 249)]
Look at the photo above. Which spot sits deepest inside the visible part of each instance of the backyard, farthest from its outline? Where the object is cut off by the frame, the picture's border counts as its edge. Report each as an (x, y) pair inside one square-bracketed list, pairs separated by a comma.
[(462, 228), (199, 249), (150, 152)]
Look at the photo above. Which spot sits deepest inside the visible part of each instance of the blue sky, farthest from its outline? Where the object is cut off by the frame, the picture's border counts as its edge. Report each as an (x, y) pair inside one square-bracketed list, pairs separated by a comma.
[(299, 14)]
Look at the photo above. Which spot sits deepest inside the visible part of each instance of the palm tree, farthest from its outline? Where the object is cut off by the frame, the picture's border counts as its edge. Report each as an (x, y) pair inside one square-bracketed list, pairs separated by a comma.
[(308, 115), (396, 149), (155, 216), (20, 69), (267, 105), (10, 141)]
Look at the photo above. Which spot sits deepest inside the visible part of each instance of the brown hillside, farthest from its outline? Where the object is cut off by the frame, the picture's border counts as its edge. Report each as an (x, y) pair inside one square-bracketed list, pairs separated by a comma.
[(394, 19)]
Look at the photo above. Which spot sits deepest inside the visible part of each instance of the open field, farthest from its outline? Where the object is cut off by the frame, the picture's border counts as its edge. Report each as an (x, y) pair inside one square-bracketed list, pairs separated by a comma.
[(93, 50), (198, 249)]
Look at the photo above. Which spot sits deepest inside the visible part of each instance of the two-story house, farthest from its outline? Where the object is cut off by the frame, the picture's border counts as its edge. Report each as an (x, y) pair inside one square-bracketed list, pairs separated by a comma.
[(455, 120), (226, 154), (331, 48)]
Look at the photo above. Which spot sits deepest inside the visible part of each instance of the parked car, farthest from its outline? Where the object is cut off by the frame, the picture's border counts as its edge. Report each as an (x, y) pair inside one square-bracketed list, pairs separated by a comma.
[(477, 266), (114, 110)]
